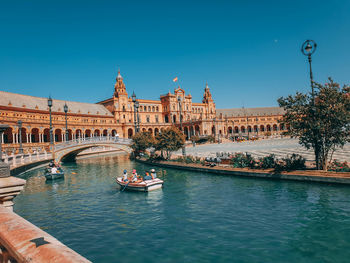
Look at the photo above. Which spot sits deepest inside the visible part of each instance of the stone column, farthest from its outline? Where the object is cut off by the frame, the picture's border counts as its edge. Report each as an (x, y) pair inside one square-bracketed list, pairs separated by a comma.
[(10, 186), (13, 138)]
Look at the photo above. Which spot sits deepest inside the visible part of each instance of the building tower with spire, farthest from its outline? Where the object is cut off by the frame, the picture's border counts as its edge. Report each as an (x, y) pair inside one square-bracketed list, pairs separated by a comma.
[(209, 103)]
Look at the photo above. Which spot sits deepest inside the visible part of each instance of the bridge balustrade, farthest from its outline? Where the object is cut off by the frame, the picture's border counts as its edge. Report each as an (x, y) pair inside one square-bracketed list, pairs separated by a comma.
[(89, 140)]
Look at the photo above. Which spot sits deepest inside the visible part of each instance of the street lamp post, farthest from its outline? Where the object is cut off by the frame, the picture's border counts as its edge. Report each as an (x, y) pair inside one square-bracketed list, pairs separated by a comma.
[(137, 105), (183, 148), (135, 116), (308, 48), (248, 127), (20, 151), (65, 107), (49, 103)]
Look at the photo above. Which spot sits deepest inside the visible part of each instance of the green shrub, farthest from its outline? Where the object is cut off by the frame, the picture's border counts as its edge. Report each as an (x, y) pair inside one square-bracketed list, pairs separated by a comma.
[(293, 162), (339, 166), (267, 162), (240, 160)]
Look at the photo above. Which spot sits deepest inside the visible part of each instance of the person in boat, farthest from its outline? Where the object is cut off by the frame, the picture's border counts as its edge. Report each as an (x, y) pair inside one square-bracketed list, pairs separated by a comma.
[(134, 178), (51, 164), (54, 170), (153, 174), (125, 176), (147, 177)]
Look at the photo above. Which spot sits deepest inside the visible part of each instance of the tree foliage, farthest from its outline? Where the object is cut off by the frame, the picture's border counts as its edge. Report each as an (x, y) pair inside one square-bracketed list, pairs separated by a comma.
[(142, 141), (322, 123), (169, 140)]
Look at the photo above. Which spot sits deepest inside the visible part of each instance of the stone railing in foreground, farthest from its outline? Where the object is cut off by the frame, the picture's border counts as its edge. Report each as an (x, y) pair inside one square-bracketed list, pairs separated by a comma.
[(21, 241)]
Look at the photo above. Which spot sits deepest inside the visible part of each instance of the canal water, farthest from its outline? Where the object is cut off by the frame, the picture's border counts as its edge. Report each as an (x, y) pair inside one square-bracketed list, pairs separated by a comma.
[(196, 217)]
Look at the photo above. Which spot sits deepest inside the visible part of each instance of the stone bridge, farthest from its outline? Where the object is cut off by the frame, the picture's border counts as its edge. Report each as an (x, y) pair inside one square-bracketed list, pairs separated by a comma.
[(67, 151)]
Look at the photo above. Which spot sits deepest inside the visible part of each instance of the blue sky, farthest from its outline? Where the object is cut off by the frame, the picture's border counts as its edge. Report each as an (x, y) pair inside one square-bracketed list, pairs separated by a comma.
[(247, 51)]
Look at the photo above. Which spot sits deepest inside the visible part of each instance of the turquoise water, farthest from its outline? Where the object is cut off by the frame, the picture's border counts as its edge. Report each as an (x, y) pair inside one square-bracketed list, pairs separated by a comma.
[(196, 217)]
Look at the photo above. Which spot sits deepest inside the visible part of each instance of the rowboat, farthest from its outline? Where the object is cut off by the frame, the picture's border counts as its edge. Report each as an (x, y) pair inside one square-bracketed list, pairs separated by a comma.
[(144, 186), (50, 176)]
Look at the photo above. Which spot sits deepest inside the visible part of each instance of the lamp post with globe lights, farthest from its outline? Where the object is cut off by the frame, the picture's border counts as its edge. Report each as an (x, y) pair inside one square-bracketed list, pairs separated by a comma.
[(65, 107), (49, 103), (308, 48)]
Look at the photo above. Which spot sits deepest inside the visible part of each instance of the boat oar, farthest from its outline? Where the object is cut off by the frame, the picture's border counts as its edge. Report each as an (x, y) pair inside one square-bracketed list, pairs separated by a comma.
[(125, 186)]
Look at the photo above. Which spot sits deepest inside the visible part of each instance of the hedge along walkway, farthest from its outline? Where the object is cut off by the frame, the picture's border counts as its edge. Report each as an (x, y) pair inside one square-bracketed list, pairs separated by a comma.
[(298, 175)]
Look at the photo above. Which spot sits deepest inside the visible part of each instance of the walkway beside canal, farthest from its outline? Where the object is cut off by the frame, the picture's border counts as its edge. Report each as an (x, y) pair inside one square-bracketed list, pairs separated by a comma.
[(299, 175), (281, 147)]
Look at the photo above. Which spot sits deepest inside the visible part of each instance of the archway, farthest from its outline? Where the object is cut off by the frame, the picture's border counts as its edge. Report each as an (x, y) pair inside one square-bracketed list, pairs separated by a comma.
[(156, 131), (242, 129), (114, 132), (97, 133), (78, 133), (150, 131), (249, 128), (105, 132), (268, 127), (229, 129), (262, 128), (143, 129), (174, 119), (35, 135), (130, 133), (70, 134), (256, 128), (197, 129), (274, 127), (47, 135), (24, 135), (8, 135), (58, 135), (236, 129), (87, 133)]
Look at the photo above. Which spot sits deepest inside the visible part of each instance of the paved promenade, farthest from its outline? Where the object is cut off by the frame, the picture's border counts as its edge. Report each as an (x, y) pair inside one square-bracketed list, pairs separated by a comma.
[(279, 147)]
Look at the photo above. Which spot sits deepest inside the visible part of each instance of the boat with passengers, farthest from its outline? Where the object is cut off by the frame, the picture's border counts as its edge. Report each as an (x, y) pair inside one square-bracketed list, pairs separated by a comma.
[(135, 183), (53, 172)]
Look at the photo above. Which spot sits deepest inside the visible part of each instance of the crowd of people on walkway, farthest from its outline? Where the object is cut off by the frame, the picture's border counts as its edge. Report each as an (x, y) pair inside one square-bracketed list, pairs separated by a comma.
[(135, 178)]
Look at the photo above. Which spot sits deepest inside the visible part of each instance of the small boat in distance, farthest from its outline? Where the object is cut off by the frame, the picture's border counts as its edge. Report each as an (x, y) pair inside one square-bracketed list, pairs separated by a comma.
[(144, 186), (54, 176)]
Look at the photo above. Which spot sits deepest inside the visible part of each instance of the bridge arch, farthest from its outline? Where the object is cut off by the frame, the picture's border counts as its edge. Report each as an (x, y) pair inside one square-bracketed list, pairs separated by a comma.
[(68, 153)]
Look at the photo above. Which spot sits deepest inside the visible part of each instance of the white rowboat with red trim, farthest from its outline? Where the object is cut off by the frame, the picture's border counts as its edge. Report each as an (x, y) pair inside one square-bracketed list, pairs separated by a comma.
[(144, 186)]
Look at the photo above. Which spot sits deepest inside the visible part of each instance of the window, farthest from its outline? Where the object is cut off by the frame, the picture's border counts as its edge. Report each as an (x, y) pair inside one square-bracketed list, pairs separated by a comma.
[(157, 118), (147, 118), (144, 108)]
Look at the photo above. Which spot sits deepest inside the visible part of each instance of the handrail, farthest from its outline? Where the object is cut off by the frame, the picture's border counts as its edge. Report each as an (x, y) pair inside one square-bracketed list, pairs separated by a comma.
[(97, 139)]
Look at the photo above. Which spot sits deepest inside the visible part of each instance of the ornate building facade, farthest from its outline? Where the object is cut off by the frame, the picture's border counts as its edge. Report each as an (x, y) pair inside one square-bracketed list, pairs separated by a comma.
[(116, 115)]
